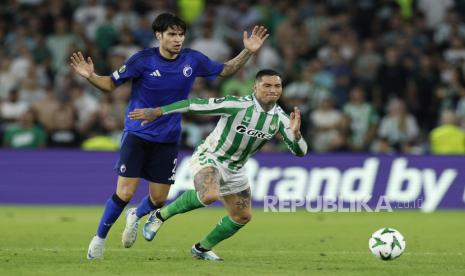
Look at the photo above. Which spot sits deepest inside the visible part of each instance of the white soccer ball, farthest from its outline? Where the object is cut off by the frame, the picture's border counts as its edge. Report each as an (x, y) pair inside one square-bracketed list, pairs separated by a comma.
[(387, 244)]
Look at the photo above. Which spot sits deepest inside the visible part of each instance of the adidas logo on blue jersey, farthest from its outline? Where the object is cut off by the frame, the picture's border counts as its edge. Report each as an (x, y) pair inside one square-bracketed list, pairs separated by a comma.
[(155, 73)]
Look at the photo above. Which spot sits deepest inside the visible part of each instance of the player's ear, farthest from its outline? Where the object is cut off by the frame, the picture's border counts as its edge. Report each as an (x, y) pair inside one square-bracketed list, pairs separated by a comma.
[(158, 35)]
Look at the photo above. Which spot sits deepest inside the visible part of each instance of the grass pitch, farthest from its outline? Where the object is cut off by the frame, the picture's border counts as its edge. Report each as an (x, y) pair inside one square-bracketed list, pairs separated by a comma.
[(53, 241)]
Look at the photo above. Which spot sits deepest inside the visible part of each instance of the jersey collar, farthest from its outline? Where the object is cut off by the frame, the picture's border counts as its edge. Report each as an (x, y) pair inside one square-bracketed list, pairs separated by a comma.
[(259, 108), (157, 52)]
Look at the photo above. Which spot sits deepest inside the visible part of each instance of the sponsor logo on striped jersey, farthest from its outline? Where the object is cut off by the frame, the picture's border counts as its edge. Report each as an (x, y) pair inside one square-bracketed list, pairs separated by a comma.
[(253, 132)]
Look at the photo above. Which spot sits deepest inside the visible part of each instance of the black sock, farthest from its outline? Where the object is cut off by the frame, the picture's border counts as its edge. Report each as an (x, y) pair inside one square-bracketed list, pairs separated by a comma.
[(152, 205), (121, 203), (200, 248), (158, 215)]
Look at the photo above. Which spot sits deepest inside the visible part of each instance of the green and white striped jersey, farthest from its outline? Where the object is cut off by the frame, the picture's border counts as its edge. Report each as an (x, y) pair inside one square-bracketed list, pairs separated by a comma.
[(244, 127)]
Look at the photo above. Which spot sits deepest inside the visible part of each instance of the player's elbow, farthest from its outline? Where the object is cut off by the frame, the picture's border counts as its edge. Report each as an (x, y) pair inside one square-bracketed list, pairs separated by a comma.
[(111, 86), (227, 70), (108, 88), (108, 85)]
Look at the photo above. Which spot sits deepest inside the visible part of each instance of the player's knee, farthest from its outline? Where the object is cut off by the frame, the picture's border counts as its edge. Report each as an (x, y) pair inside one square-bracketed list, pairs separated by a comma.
[(210, 197), (242, 218), (158, 200), (125, 193), (126, 188)]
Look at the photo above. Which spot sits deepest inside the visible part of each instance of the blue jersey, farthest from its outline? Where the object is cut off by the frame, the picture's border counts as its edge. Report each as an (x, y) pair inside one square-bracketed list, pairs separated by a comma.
[(157, 81)]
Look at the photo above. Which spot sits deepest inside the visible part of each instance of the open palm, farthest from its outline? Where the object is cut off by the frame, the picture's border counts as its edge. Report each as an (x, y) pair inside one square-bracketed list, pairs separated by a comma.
[(295, 121), (81, 66), (256, 39)]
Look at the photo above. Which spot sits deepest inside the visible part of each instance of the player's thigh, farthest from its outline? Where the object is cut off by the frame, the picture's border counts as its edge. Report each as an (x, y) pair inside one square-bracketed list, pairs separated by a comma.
[(207, 176), (131, 156), (239, 206), (207, 183), (160, 163), (126, 187)]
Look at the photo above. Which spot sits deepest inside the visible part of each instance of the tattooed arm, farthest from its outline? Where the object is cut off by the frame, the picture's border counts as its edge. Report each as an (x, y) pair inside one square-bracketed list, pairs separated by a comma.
[(233, 65), (251, 45)]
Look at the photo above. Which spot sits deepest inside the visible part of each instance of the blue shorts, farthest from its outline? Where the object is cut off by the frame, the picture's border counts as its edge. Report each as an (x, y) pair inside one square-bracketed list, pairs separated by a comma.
[(155, 162)]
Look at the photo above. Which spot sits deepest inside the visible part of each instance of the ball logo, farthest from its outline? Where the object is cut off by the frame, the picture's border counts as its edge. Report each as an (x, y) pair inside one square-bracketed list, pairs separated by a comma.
[(253, 132), (122, 168), (187, 71)]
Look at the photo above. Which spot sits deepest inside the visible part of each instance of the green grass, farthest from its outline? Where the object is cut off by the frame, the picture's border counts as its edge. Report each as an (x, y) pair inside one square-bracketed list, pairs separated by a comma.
[(53, 241)]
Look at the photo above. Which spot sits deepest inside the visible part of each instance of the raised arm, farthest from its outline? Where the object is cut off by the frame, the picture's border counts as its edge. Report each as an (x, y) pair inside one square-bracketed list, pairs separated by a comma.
[(290, 131), (211, 106), (86, 70), (251, 45)]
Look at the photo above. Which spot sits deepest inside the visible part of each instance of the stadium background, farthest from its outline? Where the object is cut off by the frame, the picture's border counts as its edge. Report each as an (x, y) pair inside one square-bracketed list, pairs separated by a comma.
[(381, 84), (369, 76)]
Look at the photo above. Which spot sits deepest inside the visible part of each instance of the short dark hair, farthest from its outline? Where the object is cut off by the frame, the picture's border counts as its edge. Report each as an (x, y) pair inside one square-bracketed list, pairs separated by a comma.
[(267, 72), (166, 20)]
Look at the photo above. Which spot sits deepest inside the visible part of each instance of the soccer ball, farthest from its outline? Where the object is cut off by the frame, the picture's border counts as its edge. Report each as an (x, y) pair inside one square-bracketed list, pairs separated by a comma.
[(387, 244)]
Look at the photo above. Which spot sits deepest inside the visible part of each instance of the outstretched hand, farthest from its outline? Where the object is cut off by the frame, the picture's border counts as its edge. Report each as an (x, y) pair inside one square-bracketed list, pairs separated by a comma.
[(295, 122), (81, 66), (146, 114), (256, 39)]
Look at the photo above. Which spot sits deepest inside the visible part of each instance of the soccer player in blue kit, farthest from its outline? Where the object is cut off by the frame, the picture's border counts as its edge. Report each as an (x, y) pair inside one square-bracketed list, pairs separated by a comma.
[(160, 76)]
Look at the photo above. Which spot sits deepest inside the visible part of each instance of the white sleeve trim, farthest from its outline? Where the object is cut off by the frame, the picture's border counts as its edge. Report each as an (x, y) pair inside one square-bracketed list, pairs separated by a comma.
[(302, 145), (116, 75)]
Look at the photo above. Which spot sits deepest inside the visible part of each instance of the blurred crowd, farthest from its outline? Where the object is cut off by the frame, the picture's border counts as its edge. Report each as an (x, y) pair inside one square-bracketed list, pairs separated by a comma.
[(380, 76)]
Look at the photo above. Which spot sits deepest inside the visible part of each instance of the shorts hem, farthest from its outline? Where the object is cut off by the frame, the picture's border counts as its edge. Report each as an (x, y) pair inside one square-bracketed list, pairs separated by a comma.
[(149, 179), (235, 191)]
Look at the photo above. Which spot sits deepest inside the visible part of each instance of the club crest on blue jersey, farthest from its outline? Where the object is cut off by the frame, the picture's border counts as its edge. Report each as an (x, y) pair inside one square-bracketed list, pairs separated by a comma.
[(187, 71)]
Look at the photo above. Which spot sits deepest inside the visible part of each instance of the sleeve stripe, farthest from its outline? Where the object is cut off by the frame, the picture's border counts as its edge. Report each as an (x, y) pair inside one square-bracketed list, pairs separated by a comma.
[(181, 106), (206, 106), (212, 106), (116, 75)]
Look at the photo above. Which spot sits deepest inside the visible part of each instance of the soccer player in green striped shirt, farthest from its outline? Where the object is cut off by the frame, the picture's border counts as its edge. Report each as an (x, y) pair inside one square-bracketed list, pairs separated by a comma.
[(246, 124)]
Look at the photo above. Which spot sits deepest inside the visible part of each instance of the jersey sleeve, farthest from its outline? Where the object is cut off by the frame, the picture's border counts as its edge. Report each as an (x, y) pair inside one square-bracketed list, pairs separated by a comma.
[(130, 70), (298, 147), (207, 68), (212, 106)]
